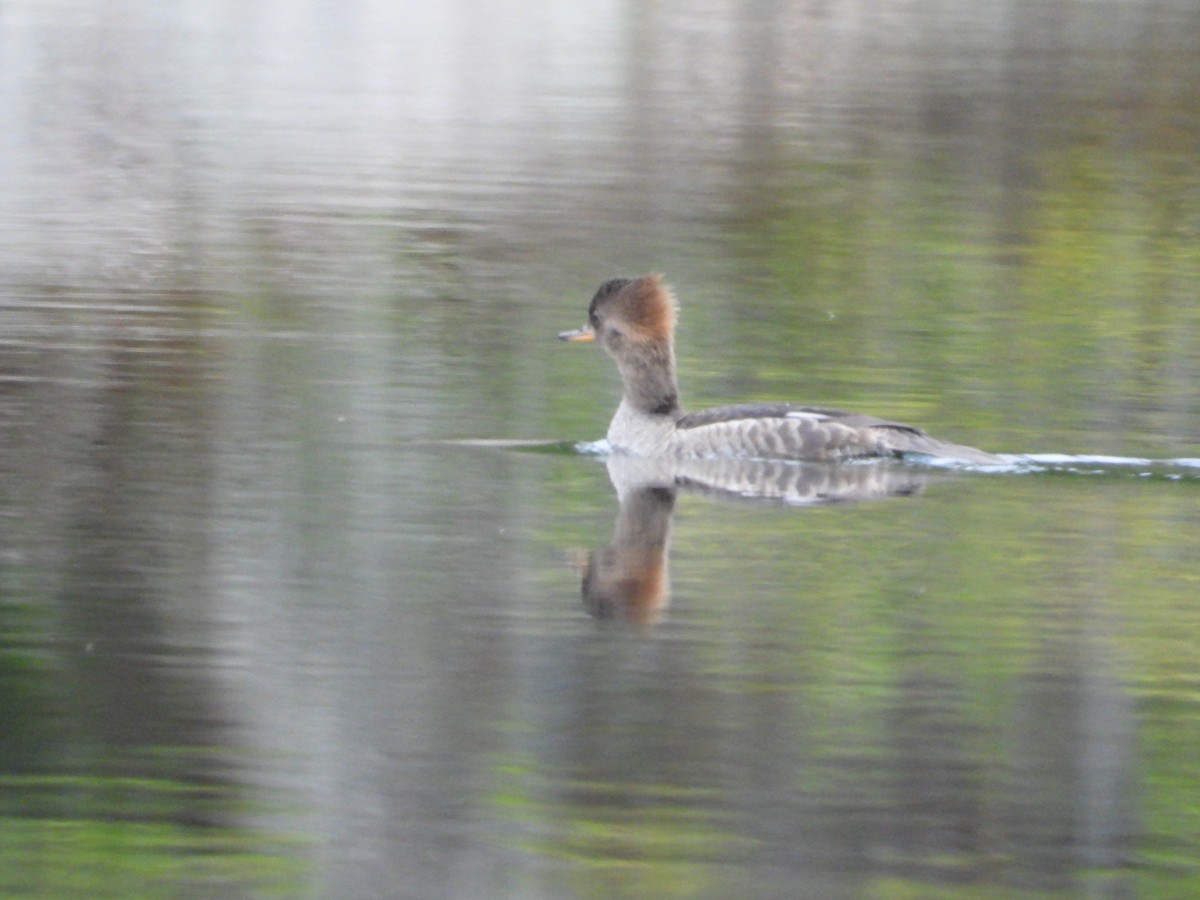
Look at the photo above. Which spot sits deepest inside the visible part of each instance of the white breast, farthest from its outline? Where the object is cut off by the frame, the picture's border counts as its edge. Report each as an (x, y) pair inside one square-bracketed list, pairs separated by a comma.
[(639, 433)]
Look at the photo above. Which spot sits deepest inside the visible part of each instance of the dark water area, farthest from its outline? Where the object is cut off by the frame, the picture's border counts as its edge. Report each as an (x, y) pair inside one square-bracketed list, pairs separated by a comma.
[(312, 582)]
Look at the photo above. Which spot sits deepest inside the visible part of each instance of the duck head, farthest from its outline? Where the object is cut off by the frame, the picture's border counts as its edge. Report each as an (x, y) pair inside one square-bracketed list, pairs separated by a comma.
[(633, 319)]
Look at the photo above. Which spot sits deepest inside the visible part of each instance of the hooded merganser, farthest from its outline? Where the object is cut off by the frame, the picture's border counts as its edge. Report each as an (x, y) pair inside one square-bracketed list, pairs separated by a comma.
[(634, 321)]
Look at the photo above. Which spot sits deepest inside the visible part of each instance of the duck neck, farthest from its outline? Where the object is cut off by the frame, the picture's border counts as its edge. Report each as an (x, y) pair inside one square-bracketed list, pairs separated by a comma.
[(649, 377)]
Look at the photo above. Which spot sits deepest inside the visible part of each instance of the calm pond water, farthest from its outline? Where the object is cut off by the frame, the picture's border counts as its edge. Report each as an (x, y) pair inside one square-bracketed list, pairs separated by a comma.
[(306, 588)]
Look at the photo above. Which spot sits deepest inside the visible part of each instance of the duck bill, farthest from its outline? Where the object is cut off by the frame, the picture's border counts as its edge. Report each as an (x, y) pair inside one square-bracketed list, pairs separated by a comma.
[(581, 335)]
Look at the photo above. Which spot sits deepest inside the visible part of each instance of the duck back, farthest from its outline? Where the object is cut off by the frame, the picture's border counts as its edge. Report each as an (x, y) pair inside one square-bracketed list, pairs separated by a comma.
[(814, 433)]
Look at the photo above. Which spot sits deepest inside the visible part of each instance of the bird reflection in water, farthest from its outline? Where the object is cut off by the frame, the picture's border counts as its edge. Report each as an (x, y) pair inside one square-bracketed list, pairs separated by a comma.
[(629, 578)]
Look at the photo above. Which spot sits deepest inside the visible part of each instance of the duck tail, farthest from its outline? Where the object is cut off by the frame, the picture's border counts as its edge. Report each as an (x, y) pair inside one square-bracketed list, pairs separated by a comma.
[(921, 444)]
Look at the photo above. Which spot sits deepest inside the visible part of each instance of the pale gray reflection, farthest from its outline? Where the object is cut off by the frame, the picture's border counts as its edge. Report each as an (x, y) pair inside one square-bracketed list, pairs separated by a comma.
[(629, 578)]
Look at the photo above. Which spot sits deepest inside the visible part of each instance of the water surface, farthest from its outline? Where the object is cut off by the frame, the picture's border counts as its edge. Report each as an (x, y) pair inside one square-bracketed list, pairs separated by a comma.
[(282, 609)]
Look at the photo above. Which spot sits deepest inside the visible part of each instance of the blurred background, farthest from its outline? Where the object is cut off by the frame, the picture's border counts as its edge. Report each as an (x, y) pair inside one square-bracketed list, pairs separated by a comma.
[(263, 630)]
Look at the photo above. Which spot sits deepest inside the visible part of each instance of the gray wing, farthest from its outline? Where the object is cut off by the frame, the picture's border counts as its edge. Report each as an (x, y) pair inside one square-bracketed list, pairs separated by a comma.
[(787, 410), (790, 431)]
